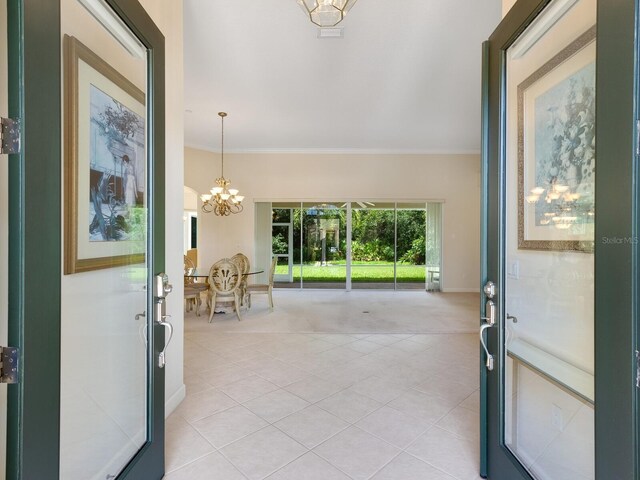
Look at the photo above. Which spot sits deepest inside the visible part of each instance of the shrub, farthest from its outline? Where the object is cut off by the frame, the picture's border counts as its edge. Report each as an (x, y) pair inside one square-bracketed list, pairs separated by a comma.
[(416, 254)]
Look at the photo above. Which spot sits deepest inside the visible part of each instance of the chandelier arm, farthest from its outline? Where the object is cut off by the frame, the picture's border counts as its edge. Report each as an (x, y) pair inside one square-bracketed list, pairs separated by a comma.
[(206, 207)]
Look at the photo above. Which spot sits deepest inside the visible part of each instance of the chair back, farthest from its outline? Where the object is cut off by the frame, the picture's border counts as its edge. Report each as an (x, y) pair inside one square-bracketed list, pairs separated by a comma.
[(225, 277), (189, 267), (192, 254), (243, 262), (272, 270)]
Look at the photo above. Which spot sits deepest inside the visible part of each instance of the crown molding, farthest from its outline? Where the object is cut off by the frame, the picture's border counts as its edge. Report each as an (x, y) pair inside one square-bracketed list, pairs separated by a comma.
[(335, 151)]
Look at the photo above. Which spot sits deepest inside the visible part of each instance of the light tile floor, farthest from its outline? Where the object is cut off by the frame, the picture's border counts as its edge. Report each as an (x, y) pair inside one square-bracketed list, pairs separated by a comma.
[(325, 406)]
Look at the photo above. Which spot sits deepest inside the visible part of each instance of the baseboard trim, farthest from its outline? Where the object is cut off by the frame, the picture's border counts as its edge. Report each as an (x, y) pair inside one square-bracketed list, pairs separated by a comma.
[(174, 400), (461, 290)]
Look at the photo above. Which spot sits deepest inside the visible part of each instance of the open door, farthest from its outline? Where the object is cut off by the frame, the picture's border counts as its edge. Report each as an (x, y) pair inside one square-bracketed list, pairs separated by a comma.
[(560, 243), (86, 241)]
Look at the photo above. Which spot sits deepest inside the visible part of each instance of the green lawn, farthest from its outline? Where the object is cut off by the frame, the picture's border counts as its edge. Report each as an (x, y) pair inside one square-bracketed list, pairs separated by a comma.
[(360, 272)]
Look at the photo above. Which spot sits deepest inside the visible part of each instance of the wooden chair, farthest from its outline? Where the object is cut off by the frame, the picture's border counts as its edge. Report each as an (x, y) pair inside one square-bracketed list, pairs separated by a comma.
[(224, 284), (264, 288), (192, 254), (192, 290), (243, 263)]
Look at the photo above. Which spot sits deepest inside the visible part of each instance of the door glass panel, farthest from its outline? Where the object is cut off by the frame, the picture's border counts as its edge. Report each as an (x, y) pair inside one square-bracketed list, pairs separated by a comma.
[(285, 242), (324, 232), (411, 249), (4, 231), (104, 364), (282, 248), (373, 245), (550, 159)]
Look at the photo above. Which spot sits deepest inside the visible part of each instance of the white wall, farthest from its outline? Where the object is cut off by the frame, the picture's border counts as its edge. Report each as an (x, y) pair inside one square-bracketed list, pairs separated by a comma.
[(455, 179)]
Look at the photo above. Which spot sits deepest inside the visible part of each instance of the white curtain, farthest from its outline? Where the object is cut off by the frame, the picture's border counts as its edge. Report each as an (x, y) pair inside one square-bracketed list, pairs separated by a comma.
[(263, 240), (434, 246)]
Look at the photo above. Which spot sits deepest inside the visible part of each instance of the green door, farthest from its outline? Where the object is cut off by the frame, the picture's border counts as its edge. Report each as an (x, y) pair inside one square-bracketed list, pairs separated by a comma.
[(86, 241), (560, 243)]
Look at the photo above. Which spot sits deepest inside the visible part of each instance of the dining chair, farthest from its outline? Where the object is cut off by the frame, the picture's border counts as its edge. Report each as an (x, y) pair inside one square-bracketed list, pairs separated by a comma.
[(243, 263), (264, 288), (192, 289), (224, 282)]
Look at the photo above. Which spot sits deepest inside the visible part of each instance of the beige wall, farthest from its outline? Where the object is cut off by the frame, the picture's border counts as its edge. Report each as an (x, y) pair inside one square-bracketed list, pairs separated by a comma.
[(506, 6), (454, 179), (167, 14)]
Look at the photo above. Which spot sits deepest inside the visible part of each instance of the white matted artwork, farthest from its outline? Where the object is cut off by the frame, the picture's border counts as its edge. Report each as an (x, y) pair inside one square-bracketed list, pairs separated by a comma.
[(556, 151), (105, 164)]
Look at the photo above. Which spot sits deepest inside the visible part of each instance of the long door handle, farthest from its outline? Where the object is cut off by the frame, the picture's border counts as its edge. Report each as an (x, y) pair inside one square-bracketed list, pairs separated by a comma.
[(161, 356), (489, 362)]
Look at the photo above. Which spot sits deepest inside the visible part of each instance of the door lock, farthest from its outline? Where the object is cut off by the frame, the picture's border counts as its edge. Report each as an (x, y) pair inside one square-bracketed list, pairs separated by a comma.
[(490, 289), (490, 312)]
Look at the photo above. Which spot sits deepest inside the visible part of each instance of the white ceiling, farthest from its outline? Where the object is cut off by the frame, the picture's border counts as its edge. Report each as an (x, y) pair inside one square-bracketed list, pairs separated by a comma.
[(405, 77)]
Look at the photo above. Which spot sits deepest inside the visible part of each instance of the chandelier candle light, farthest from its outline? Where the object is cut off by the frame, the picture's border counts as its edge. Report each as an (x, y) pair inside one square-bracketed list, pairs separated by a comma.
[(326, 13), (222, 200)]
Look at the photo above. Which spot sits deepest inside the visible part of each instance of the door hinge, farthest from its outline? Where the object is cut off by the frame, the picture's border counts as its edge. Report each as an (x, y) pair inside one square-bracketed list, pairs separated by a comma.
[(637, 369), (637, 138), (10, 133), (9, 365)]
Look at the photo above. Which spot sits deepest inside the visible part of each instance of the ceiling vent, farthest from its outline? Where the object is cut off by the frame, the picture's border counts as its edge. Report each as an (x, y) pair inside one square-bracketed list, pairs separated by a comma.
[(331, 32)]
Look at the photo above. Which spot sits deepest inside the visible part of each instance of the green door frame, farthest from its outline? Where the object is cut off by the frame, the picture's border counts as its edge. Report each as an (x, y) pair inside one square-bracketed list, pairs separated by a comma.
[(35, 233), (616, 264), (34, 265), (617, 274)]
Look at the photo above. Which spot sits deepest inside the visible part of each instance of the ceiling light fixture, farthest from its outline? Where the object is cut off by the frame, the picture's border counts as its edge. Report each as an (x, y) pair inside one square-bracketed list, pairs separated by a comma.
[(222, 200), (326, 13)]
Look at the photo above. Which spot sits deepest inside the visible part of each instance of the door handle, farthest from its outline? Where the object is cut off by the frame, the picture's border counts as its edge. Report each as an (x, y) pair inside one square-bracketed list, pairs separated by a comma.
[(490, 319), (489, 362), (161, 288), (161, 356)]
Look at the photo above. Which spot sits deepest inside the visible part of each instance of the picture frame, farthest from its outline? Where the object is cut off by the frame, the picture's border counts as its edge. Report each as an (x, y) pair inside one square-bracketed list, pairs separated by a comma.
[(104, 164), (556, 151)]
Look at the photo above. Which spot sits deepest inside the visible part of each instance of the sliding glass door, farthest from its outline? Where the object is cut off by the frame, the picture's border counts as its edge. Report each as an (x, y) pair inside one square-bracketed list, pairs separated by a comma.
[(411, 246), (361, 244), (373, 238)]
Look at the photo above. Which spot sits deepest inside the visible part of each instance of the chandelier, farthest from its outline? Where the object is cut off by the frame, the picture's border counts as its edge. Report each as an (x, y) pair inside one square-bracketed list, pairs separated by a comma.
[(326, 13), (222, 200)]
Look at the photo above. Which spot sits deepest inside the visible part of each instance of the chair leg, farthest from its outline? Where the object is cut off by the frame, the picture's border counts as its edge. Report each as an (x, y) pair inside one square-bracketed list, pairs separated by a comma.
[(270, 299), (237, 303), (198, 303), (212, 301)]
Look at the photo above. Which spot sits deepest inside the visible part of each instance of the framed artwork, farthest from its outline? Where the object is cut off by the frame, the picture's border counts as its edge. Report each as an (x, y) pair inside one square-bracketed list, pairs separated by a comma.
[(105, 164), (556, 151)]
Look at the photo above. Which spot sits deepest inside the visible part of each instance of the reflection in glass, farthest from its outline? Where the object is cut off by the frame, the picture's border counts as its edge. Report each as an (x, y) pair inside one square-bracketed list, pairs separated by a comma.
[(324, 232)]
